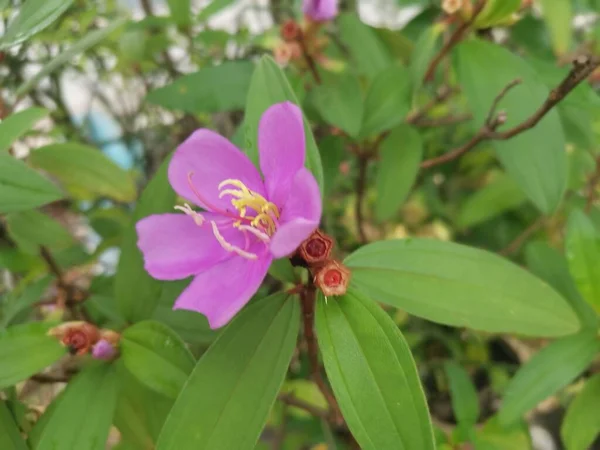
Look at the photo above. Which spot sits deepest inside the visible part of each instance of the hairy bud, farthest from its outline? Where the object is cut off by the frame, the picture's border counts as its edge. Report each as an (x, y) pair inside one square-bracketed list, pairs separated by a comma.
[(78, 337), (316, 249), (290, 30), (333, 278)]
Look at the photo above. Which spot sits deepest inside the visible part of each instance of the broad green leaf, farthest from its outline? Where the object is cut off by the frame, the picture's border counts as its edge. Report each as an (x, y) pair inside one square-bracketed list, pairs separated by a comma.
[(581, 424), (583, 254), (548, 371), (367, 52), (283, 270), (22, 188), (214, 7), (423, 53), (33, 229), (211, 89), (17, 124), (495, 198), (25, 350), (137, 293), (88, 41), (30, 295), (157, 357), (180, 11), (548, 264), (495, 12), (558, 15), (226, 400), (373, 374), (460, 286), (388, 101), (535, 159), (339, 101), (465, 401), (10, 436), (400, 155), (86, 168), (33, 17), (269, 86), (83, 415)]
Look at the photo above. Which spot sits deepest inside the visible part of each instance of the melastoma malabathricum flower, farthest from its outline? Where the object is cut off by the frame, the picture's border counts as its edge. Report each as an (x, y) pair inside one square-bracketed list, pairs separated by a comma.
[(248, 220), (320, 10)]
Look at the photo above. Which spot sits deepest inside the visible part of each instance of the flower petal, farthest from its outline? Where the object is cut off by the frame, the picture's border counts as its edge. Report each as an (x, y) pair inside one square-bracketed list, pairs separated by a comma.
[(300, 217), (220, 292), (281, 145), (174, 247), (320, 10), (212, 159)]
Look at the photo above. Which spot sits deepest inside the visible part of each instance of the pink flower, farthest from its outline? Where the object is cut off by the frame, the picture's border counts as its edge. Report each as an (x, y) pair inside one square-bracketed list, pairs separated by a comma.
[(249, 221), (320, 10)]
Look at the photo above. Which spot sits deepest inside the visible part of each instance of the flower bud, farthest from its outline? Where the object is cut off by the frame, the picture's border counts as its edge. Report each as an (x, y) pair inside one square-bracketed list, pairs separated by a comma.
[(104, 350), (320, 10), (78, 337), (333, 278), (316, 248), (290, 30)]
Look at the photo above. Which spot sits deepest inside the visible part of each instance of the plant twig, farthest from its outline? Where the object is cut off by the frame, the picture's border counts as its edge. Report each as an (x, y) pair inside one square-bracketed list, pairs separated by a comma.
[(518, 242), (361, 183), (592, 185), (169, 64), (49, 379), (54, 267), (454, 39), (312, 66)]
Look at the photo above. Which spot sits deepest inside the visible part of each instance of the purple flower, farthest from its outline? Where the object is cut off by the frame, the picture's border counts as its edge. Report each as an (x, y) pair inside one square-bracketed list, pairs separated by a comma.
[(103, 350), (249, 221), (320, 10)]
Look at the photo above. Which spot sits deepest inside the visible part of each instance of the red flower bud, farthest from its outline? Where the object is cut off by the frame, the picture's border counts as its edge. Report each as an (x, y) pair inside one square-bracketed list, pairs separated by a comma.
[(316, 248), (333, 278), (290, 30), (78, 337)]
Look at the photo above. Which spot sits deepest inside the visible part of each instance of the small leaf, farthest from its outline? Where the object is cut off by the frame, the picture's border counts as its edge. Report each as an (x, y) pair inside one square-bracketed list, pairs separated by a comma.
[(180, 11), (283, 270), (17, 124), (548, 371), (213, 7), (157, 357), (373, 374), (388, 101), (495, 12), (583, 254), (423, 53), (33, 229), (33, 17), (83, 167), (226, 400), (268, 87), (25, 350), (581, 424), (400, 155), (558, 15), (495, 198), (10, 436), (136, 292), (460, 286), (28, 297), (465, 402), (196, 93), (82, 414), (22, 188), (339, 102)]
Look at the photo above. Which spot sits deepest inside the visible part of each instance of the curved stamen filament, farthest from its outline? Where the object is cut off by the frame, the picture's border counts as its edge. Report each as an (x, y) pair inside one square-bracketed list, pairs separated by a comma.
[(259, 234), (186, 209), (230, 247), (209, 205)]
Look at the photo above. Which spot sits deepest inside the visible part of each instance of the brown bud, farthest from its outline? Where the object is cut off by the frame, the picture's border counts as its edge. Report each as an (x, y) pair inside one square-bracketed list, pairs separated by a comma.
[(290, 30), (316, 249), (333, 278), (110, 336), (78, 337)]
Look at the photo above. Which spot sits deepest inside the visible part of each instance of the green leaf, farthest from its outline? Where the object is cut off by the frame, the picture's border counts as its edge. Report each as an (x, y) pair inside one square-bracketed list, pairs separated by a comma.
[(83, 167), (33, 17), (214, 7), (180, 11), (22, 188), (465, 402), (373, 374), (558, 15), (388, 101), (157, 357), (460, 286), (226, 400), (83, 413), (500, 195), (10, 436), (136, 292), (583, 254), (548, 264), (283, 270), (424, 51), (25, 350), (33, 229), (400, 156), (269, 86), (495, 12), (367, 52), (492, 436), (17, 124), (581, 424), (196, 93), (535, 159), (548, 371), (88, 41), (30, 295), (339, 102)]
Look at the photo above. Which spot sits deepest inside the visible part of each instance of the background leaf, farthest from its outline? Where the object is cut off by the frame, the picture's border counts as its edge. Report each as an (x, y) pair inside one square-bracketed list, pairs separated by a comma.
[(34, 229), (465, 401), (558, 15), (17, 124), (10, 436), (581, 424)]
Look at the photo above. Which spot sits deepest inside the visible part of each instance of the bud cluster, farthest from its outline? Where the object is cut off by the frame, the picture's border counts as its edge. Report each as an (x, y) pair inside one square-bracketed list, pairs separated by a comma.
[(299, 41), (81, 338)]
